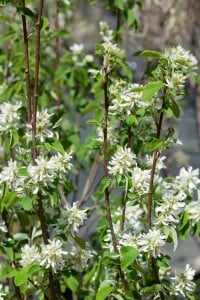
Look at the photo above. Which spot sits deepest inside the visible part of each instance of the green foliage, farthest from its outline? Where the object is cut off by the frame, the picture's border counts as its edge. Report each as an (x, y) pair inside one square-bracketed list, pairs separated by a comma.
[(64, 225)]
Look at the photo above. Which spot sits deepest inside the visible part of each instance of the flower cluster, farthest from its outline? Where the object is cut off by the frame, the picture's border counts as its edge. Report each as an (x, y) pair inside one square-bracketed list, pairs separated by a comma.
[(47, 170), (188, 179), (125, 98), (151, 242), (78, 258), (171, 206), (122, 161), (78, 57), (113, 55), (43, 129), (51, 255), (180, 59), (111, 134), (9, 176), (9, 116), (183, 282), (29, 255), (106, 33), (74, 217), (181, 64), (193, 212)]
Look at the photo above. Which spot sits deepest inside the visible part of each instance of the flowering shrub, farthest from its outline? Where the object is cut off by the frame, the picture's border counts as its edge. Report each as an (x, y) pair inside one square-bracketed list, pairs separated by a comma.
[(105, 240)]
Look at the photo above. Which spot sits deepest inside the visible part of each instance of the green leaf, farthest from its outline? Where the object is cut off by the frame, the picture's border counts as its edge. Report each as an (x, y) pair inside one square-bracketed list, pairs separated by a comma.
[(129, 17), (14, 138), (151, 53), (175, 108), (104, 290), (26, 203), (155, 144), (72, 283), (9, 199), (104, 184), (151, 89), (23, 172), (20, 236), (149, 290), (171, 232), (55, 145), (20, 278), (129, 254), (119, 4), (26, 11)]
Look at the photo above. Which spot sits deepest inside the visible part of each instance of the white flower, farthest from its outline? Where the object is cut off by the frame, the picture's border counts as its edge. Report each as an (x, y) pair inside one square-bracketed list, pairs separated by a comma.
[(75, 217), (193, 211), (181, 59), (188, 179), (148, 160), (43, 126), (3, 227), (170, 208), (128, 239), (133, 215), (52, 255), (112, 55), (183, 282), (125, 97), (140, 181), (79, 258), (61, 162), (106, 33), (176, 81), (77, 55), (46, 170), (9, 176), (30, 255), (42, 173), (111, 134), (151, 242), (122, 161), (9, 116), (76, 48)]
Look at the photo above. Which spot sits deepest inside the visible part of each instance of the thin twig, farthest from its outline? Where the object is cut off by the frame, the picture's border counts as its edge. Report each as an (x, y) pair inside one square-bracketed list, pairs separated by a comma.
[(27, 68), (90, 180)]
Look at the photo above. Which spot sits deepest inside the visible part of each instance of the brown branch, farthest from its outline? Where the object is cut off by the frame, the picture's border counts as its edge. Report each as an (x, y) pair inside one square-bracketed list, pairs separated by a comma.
[(90, 181), (36, 81), (27, 68), (156, 156), (57, 52), (105, 171), (53, 284)]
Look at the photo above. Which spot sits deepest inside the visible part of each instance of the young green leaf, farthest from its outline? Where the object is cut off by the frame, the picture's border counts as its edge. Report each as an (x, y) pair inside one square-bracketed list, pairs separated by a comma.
[(128, 257), (151, 89), (104, 290)]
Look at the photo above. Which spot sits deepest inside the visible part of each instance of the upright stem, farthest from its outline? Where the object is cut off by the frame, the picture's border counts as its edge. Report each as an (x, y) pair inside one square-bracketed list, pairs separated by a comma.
[(36, 81), (27, 68), (156, 156), (105, 169), (54, 290), (105, 160), (57, 52)]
